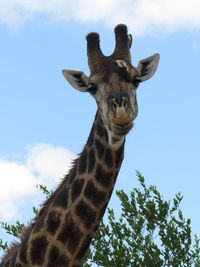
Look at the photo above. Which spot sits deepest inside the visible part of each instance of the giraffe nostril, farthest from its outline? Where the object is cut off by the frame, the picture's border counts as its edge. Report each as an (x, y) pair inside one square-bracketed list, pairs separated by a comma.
[(113, 105), (125, 103), (118, 102)]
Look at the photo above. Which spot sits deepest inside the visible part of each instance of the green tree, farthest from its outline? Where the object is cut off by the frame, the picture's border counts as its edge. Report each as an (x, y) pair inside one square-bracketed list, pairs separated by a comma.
[(150, 232)]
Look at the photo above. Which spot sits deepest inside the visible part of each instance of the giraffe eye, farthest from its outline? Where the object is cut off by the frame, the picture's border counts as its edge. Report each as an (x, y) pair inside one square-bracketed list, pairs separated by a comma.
[(92, 88)]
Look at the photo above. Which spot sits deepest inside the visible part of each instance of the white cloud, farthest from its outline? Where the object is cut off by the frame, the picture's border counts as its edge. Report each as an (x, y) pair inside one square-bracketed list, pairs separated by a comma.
[(44, 164), (50, 162), (16, 183), (142, 16)]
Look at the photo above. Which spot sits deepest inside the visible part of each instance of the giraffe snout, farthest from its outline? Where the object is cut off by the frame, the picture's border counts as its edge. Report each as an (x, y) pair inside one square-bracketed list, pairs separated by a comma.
[(121, 113), (119, 101)]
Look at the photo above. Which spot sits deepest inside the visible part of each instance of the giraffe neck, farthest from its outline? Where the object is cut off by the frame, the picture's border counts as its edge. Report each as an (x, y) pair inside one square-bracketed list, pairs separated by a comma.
[(68, 220)]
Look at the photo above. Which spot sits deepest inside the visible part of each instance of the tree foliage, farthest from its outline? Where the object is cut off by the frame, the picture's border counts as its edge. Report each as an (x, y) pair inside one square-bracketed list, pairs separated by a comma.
[(150, 232)]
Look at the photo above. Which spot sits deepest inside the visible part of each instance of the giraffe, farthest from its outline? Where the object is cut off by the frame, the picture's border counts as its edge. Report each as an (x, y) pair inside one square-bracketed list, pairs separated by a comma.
[(62, 231)]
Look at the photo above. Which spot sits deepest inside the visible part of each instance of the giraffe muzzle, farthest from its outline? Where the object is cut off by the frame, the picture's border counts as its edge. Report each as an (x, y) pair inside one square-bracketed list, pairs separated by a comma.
[(122, 129), (121, 113), (122, 120)]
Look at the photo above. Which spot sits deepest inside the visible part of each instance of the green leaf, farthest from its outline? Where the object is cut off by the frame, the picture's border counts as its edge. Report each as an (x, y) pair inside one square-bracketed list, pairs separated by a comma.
[(150, 232)]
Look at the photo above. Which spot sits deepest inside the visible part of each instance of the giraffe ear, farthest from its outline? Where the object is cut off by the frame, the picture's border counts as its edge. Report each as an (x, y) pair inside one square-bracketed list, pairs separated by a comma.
[(147, 67), (77, 79)]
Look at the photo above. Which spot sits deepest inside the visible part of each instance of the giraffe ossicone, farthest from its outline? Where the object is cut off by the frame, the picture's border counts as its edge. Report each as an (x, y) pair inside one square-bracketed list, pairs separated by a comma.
[(61, 233)]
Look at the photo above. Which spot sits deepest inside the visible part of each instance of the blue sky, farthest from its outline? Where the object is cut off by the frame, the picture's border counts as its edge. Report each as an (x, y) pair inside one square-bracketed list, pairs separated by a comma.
[(45, 123)]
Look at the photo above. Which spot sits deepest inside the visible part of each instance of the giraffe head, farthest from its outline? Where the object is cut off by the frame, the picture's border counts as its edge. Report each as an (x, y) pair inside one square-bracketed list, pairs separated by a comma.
[(113, 80)]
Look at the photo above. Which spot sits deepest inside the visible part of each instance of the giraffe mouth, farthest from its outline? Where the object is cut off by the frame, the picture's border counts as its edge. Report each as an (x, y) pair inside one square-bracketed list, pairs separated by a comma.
[(122, 128)]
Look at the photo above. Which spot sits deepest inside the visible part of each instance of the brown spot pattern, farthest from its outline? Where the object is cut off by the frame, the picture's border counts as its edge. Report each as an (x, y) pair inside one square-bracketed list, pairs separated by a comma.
[(108, 158), (91, 161), (92, 193), (70, 234), (84, 247), (56, 259), (119, 155), (61, 199), (38, 249), (86, 214), (76, 188), (104, 178), (53, 222), (100, 148)]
